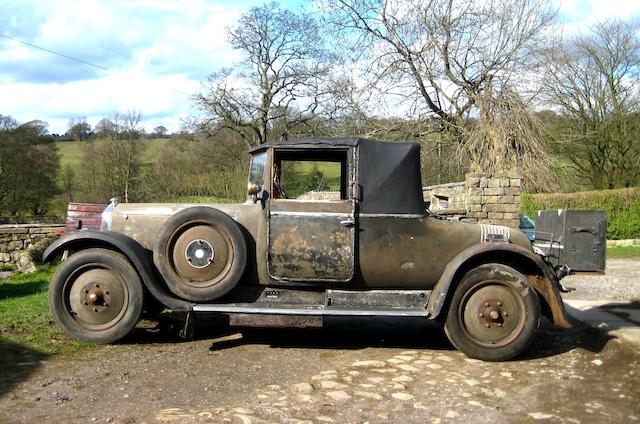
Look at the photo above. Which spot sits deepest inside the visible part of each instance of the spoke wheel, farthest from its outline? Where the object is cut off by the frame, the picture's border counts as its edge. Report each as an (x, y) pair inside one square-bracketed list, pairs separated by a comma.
[(96, 296), (493, 313)]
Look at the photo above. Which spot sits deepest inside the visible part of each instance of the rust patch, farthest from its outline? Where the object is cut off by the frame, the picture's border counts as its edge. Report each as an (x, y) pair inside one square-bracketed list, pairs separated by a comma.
[(277, 321), (310, 248), (544, 287)]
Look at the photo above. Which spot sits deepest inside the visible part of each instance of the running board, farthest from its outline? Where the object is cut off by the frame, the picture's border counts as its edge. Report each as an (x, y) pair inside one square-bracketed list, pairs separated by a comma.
[(249, 308)]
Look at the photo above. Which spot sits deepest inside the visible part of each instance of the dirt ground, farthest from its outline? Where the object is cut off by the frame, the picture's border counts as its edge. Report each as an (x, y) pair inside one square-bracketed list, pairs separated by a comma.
[(353, 371)]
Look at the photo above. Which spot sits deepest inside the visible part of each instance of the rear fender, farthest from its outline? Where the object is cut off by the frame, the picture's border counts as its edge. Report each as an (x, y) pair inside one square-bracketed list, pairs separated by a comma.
[(538, 274), (140, 258)]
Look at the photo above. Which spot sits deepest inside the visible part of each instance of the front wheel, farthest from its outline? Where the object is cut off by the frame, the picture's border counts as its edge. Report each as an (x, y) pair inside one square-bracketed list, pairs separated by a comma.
[(96, 296), (493, 314)]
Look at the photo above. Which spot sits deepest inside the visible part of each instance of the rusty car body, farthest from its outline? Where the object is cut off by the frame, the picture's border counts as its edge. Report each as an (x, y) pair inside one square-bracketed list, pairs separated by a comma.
[(368, 248)]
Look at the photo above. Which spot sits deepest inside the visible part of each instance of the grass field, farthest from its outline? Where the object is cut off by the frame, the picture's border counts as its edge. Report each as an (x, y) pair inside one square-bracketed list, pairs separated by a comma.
[(71, 151), (24, 315), (623, 252), (27, 331), (295, 176)]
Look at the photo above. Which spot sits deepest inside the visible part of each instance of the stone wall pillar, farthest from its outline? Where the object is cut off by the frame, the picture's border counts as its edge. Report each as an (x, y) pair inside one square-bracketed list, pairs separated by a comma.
[(494, 198)]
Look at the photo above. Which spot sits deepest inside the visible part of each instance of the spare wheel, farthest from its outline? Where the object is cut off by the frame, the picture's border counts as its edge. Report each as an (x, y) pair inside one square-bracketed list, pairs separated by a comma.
[(200, 253)]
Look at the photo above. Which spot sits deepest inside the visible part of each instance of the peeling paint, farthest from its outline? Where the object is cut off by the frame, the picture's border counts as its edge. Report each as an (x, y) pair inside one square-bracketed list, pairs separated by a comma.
[(310, 247)]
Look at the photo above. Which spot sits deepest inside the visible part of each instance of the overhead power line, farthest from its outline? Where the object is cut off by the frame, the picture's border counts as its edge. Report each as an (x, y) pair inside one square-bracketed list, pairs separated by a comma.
[(75, 59)]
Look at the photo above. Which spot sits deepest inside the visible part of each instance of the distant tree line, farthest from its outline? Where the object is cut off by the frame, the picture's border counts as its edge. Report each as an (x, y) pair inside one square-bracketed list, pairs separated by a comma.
[(79, 130)]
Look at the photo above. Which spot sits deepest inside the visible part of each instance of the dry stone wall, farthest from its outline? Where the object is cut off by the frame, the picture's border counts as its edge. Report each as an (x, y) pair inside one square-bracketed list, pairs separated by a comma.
[(21, 245), (483, 198)]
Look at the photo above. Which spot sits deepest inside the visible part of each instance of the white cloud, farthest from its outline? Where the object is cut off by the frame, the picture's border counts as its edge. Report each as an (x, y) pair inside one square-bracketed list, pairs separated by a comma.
[(580, 15), (158, 52), (95, 99)]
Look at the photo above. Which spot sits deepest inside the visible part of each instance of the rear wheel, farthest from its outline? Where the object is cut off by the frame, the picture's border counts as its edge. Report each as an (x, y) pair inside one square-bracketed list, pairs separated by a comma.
[(201, 254), (493, 314), (96, 296)]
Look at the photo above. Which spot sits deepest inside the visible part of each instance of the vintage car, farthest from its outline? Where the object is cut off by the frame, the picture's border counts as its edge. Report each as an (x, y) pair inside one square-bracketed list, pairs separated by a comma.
[(364, 246)]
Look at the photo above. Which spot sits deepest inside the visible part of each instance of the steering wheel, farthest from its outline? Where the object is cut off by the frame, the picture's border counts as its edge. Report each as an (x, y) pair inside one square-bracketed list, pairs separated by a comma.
[(276, 184)]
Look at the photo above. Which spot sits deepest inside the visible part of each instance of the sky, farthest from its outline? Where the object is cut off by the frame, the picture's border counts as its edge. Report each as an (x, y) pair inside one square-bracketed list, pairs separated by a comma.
[(154, 54)]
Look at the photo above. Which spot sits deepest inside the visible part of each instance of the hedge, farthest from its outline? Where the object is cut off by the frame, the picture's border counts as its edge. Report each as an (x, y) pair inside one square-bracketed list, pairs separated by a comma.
[(622, 207)]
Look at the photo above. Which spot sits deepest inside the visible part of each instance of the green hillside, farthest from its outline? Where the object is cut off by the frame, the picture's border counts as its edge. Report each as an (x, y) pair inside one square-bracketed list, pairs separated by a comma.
[(71, 151)]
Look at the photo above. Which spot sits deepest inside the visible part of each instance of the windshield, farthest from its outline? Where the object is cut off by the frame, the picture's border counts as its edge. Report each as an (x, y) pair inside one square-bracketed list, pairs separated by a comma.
[(256, 170)]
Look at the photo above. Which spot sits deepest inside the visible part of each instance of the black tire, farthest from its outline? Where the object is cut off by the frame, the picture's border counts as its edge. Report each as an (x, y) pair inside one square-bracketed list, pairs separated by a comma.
[(96, 296), (493, 314), (201, 254)]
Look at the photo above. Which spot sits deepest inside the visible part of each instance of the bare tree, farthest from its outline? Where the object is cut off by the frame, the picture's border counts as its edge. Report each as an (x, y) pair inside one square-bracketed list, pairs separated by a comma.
[(511, 136), (104, 128), (277, 86), (446, 59), (594, 80), (79, 129), (113, 164), (160, 131)]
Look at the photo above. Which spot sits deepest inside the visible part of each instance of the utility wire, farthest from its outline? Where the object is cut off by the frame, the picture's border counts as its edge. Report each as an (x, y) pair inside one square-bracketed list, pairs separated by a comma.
[(75, 59)]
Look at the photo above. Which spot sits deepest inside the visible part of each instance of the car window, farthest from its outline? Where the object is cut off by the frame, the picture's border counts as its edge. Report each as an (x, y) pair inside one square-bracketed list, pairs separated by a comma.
[(256, 170), (311, 180), (320, 175)]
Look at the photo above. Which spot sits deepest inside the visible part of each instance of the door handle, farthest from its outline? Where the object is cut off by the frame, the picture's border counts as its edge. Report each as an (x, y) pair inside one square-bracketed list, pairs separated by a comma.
[(348, 223), (583, 230)]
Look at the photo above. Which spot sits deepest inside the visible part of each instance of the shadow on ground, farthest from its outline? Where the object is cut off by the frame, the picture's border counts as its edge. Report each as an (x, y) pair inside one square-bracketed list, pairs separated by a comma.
[(8, 291), (552, 340), (359, 333), (24, 362), (348, 333), (628, 311)]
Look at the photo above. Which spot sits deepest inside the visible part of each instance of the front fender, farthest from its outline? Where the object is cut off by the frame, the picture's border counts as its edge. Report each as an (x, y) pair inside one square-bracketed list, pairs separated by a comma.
[(538, 273), (131, 249)]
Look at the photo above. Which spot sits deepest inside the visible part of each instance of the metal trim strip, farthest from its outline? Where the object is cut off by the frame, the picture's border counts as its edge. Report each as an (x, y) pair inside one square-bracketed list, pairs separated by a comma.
[(319, 310), (392, 215), (312, 214)]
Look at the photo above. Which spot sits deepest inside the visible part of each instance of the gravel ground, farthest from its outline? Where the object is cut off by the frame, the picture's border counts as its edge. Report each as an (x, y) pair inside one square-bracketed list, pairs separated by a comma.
[(353, 371), (620, 282)]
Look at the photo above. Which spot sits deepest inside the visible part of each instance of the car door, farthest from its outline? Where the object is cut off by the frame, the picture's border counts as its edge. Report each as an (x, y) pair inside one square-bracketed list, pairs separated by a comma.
[(311, 227)]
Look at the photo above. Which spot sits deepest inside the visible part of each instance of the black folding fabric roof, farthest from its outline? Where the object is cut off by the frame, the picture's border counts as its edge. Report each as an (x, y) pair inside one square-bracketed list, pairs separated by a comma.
[(390, 177), (389, 172)]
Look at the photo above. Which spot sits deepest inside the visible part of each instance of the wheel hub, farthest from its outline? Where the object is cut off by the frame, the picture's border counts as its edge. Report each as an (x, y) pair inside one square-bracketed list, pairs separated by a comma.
[(199, 253), (195, 260), (490, 315), (97, 298), (493, 313)]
